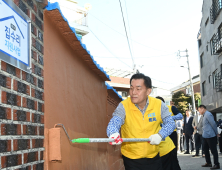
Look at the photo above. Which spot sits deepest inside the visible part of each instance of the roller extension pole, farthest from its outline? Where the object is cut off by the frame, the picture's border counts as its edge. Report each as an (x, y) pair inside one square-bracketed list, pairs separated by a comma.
[(93, 140)]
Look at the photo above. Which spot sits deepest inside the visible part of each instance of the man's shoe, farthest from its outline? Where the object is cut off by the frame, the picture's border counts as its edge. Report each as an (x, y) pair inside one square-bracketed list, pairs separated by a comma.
[(216, 167), (207, 165), (195, 156), (186, 152)]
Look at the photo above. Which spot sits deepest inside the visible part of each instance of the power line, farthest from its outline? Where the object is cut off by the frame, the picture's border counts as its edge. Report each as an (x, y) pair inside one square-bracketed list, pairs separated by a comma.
[(109, 49), (127, 35), (124, 35), (138, 57), (161, 81), (161, 88), (129, 27)]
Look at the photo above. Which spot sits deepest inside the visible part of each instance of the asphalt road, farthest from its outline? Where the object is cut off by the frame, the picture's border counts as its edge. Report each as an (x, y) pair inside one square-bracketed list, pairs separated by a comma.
[(188, 163)]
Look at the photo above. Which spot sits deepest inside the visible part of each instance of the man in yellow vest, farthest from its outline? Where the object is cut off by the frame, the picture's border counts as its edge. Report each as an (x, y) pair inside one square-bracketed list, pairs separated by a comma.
[(174, 165), (139, 116), (176, 115)]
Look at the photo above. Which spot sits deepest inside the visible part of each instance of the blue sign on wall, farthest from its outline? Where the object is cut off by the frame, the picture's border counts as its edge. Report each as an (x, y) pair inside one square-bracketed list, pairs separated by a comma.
[(15, 46)]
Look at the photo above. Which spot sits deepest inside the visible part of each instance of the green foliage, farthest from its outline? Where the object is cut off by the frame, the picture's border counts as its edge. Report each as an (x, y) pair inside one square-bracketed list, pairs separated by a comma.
[(197, 96), (181, 100)]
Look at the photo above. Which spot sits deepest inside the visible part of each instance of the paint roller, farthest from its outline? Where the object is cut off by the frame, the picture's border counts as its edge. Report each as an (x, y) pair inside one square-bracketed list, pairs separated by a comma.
[(55, 147), (93, 140)]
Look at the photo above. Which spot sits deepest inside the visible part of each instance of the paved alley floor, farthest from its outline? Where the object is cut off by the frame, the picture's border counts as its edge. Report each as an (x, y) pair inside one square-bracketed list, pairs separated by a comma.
[(188, 163)]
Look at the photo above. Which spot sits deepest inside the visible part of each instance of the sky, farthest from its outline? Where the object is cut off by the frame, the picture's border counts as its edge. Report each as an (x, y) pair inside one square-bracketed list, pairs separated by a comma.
[(157, 30)]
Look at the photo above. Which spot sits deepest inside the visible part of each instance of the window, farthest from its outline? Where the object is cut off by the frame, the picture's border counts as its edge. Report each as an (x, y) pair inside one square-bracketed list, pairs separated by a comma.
[(124, 94), (219, 32), (209, 79), (201, 61), (204, 88), (207, 47), (167, 102), (199, 42), (214, 74), (206, 22), (188, 91)]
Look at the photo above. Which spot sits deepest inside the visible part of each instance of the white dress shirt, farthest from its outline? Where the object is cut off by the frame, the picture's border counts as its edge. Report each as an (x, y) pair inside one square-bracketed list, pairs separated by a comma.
[(188, 119)]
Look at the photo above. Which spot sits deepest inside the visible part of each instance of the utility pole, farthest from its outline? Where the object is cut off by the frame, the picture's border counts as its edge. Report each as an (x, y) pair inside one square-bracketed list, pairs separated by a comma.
[(191, 83)]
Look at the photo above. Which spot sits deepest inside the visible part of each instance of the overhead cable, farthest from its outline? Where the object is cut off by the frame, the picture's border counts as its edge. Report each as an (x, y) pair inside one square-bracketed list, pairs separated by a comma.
[(138, 57), (129, 28), (161, 81), (124, 35), (127, 35), (109, 49)]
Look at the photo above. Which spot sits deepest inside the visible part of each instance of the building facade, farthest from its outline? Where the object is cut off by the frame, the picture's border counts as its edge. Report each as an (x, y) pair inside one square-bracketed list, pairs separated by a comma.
[(210, 56), (22, 99), (120, 80), (76, 15), (185, 86), (164, 93), (122, 85)]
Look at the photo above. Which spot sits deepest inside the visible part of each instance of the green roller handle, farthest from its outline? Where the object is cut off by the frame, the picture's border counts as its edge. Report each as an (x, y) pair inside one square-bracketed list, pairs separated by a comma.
[(81, 140), (94, 140)]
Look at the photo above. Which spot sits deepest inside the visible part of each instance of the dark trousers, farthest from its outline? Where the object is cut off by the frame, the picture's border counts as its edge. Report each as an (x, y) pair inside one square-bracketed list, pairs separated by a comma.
[(182, 142), (170, 161), (220, 143), (198, 142), (173, 137), (210, 143), (143, 163), (188, 139)]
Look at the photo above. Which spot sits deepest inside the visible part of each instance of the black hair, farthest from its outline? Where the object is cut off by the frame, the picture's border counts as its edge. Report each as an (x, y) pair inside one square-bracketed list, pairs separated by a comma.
[(147, 80), (202, 106), (158, 97)]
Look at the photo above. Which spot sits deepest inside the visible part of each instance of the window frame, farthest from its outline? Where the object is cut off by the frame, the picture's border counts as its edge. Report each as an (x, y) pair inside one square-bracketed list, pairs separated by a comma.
[(201, 60), (204, 88), (214, 78)]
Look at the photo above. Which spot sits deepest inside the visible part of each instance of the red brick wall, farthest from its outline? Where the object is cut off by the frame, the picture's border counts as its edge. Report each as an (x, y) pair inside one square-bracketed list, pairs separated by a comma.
[(22, 103), (196, 88)]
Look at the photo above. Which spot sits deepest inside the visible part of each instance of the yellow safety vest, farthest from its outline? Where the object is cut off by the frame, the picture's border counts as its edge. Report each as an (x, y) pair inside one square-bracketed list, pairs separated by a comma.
[(138, 126), (169, 107), (167, 145)]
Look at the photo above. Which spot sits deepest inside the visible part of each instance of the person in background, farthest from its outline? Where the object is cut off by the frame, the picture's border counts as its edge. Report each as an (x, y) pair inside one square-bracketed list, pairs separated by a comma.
[(179, 124), (140, 116), (209, 137), (198, 130), (188, 131), (218, 122), (219, 128), (176, 115), (182, 137)]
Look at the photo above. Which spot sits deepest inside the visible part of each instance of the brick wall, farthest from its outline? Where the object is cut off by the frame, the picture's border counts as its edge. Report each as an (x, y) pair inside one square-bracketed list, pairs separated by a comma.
[(22, 103), (196, 88)]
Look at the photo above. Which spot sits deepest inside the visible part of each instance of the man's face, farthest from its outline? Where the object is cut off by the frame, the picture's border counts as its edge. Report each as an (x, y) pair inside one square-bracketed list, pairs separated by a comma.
[(187, 113), (201, 110), (138, 91)]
